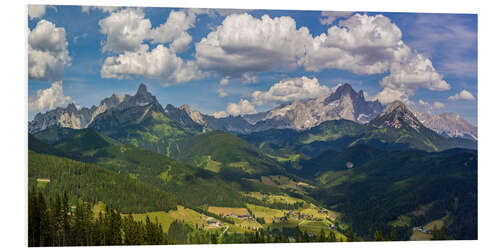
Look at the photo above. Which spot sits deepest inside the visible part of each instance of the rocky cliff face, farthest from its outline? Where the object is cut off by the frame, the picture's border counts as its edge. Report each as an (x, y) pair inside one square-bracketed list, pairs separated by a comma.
[(344, 103), (449, 124), (185, 117), (69, 117)]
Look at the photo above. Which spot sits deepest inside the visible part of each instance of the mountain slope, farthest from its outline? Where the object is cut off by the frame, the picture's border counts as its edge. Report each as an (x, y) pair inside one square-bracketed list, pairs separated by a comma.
[(93, 183), (197, 186), (418, 185), (330, 160), (219, 150)]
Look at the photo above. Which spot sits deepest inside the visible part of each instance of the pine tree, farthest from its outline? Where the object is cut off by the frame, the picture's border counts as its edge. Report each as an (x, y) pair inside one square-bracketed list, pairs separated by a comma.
[(298, 235), (332, 237), (44, 221), (435, 233), (213, 239), (350, 235), (442, 233), (378, 236), (322, 236), (394, 234), (66, 220)]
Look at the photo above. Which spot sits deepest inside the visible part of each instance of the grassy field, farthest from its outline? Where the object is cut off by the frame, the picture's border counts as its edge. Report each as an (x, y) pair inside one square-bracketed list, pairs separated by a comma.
[(282, 182), (313, 212), (244, 226), (210, 164), (186, 215), (243, 165), (268, 214), (227, 211), (286, 157), (270, 198), (401, 221)]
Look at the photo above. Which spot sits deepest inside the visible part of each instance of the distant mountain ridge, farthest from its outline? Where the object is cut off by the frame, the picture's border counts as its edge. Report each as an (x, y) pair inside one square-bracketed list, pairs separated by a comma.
[(343, 103), (449, 124)]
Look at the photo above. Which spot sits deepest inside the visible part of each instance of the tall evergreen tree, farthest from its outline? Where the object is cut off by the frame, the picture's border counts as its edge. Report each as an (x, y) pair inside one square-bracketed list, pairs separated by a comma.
[(442, 233), (322, 236), (350, 234), (378, 236), (394, 234)]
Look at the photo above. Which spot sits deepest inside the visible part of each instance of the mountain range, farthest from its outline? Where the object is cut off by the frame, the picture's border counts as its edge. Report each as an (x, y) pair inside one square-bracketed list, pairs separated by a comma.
[(343, 103)]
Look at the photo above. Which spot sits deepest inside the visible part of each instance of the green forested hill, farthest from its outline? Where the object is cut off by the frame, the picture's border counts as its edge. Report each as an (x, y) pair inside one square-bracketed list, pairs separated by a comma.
[(92, 183), (195, 185), (331, 160), (53, 134), (416, 185), (220, 151)]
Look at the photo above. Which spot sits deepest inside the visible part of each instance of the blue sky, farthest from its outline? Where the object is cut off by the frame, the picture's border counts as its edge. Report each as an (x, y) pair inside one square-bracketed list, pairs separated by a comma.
[(268, 57)]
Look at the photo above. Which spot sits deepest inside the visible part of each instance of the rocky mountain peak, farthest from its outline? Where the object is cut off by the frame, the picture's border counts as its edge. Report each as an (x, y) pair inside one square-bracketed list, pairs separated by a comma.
[(396, 115), (361, 94), (142, 89), (395, 105), (185, 107), (141, 98), (71, 107), (343, 91)]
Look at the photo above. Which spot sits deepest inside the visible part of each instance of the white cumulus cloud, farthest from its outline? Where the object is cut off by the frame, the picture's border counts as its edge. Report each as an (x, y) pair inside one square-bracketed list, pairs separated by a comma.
[(36, 11), (463, 95), (125, 30), (366, 44), (46, 99), (174, 30), (47, 52), (222, 92), (388, 95), (292, 89), (241, 108), (244, 44), (160, 63), (219, 114), (360, 43)]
